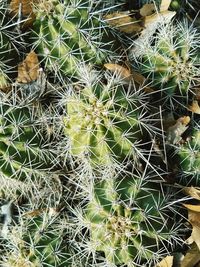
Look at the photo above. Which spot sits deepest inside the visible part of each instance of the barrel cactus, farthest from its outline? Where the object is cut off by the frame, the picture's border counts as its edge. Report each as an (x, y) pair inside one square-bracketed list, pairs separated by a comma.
[(102, 122), (25, 157), (69, 33), (171, 63), (38, 240), (129, 220), (188, 159)]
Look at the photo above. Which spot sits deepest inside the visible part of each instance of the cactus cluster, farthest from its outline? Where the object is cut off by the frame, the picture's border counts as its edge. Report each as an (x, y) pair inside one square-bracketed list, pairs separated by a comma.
[(91, 166)]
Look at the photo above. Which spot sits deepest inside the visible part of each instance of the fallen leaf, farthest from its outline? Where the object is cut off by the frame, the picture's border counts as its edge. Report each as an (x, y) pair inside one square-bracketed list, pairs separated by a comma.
[(194, 219), (195, 108), (165, 5), (123, 72), (124, 22), (147, 10), (197, 93), (28, 70), (26, 7), (128, 75), (140, 79), (195, 208), (174, 132), (166, 262), (192, 191), (192, 257)]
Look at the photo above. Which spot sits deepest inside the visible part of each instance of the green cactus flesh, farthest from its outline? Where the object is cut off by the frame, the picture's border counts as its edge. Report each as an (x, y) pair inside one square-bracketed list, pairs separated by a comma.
[(23, 154), (189, 159), (103, 123), (128, 221), (69, 33), (171, 64), (38, 241)]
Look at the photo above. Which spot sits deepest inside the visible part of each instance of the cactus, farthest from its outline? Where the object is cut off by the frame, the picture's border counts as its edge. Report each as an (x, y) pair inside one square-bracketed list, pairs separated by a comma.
[(103, 121), (25, 158), (129, 220), (39, 239), (188, 159), (171, 64), (67, 33)]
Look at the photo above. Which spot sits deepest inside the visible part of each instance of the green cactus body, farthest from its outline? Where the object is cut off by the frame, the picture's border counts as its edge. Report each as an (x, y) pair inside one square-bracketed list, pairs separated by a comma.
[(38, 241), (24, 157), (189, 159), (9, 39), (128, 222), (102, 123), (171, 63), (68, 34)]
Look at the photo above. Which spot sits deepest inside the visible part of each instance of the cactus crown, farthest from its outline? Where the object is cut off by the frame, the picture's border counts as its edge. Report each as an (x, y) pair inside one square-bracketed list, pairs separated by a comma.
[(103, 122)]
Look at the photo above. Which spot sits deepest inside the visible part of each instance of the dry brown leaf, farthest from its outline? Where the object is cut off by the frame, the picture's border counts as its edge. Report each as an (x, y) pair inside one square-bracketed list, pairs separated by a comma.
[(195, 208), (166, 262), (175, 131), (147, 10), (165, 5), (152, 21), (192, 191), (124, 22), (195, 108), (140, 79), (192, 257), (25, 5), (123, 72), (37, 212), (194, 219), (128, 75), (28, 70)]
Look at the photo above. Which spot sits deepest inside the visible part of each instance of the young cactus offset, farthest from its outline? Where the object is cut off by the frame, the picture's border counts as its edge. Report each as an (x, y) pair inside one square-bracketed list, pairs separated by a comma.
[(188, 158), (171, 63), (102, 122), (38, 241), (68, 33), (129, 220), (25, 157)]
